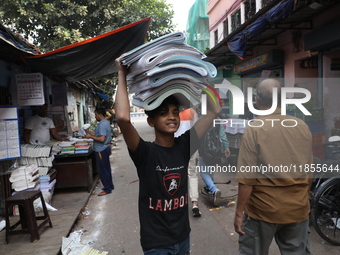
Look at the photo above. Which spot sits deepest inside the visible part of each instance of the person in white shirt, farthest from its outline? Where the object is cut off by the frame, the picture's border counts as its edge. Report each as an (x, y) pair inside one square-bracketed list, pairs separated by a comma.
[(38, 128)]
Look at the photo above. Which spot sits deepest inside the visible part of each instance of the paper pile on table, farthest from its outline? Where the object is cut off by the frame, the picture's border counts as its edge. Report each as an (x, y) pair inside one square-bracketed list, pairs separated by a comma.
[(66, 148), (82, 147)]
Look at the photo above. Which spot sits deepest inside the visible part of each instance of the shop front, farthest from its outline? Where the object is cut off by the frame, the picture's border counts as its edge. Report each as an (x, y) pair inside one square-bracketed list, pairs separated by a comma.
[(267, 65), (43, 165), (326, 41)]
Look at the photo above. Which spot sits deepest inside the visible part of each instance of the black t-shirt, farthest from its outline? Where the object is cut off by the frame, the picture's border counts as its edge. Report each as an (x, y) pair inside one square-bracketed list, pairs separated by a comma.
[(163, 190)]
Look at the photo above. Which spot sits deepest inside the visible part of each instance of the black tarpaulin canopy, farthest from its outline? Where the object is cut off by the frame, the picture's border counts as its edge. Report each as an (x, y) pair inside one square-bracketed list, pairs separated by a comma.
[(90, 58)]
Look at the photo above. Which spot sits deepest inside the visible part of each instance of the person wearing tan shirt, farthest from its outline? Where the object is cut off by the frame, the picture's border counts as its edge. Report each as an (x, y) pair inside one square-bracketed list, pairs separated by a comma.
[(273, 196)]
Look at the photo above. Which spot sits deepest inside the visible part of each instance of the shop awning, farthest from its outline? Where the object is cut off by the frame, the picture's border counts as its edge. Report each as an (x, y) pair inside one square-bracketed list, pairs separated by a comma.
[(238, 43), (90, 58)]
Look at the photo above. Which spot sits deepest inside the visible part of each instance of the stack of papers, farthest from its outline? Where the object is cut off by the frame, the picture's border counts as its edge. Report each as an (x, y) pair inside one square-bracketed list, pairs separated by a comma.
[(48, 181), (55, 149), (135, 54), (25, 177), (35, 151), (66, 148), (167, 66), (39, 155), (82, 147)]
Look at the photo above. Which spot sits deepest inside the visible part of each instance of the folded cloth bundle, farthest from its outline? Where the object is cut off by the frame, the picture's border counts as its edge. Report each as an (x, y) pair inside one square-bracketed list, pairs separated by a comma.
[(167, 66), (158, 55), (133, 55)]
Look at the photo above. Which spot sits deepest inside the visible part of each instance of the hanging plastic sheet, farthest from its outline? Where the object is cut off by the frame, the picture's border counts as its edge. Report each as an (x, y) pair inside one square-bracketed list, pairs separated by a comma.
[(103, 96), (238, 43), (91, 58)]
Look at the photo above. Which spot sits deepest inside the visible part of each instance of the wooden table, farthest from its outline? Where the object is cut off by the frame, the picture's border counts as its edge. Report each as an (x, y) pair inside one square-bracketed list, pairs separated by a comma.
[(74, 170)]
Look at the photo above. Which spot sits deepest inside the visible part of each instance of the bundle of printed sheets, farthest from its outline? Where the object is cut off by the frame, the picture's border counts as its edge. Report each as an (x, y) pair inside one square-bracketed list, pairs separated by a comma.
[(167, 66)]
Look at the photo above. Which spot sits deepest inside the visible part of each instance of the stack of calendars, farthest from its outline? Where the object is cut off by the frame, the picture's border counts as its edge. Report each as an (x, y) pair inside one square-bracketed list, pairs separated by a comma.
[(66, 148), (82, 147)]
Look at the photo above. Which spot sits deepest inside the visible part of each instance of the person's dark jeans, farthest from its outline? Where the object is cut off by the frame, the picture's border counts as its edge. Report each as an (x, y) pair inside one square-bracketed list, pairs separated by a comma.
[(182, 248), (104, 169)]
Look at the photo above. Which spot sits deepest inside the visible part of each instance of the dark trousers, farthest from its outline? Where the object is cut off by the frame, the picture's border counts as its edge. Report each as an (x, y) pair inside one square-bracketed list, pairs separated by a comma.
[(292, 239), (104, 169), (182, 248)]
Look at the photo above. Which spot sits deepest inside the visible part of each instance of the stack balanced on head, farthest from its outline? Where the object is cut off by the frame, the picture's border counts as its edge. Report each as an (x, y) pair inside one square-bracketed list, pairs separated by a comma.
[(167, 66)]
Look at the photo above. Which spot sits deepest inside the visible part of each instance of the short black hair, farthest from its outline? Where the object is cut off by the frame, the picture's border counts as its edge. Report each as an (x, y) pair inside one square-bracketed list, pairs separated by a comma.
[(101, 110), (169, 100)]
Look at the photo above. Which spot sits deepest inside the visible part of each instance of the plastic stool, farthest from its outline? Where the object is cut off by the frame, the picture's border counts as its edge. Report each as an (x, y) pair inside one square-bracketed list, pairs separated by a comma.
[(28, 220)]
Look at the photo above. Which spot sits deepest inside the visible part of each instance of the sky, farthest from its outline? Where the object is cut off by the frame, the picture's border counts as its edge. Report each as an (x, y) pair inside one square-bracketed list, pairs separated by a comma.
[(181, 9)]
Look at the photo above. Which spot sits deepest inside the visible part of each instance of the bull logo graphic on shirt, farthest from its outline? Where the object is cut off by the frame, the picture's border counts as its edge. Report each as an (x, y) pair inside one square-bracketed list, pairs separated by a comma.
[(172, 182)]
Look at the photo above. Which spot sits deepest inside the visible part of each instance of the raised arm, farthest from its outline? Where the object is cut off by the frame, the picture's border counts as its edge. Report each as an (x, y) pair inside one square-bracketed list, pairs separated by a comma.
[(205, 122), (122, 109)]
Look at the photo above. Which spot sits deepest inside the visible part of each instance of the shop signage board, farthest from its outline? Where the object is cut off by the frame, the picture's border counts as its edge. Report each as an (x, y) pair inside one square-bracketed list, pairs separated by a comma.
[(251, 64), (267, 61), (30, 89), (9, 133)]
